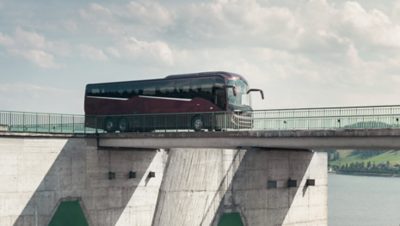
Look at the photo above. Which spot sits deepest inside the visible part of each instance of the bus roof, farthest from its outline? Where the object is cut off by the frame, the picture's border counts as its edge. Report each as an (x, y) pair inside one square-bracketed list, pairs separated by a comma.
[(207, 74), (223, 74)]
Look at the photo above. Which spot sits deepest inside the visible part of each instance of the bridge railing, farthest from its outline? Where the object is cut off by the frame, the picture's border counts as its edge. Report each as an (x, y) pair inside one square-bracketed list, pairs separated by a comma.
[(31, 122), (369, 117)]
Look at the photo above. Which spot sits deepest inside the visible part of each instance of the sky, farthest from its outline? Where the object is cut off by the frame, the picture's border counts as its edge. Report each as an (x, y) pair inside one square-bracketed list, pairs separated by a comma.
[(303, 53)]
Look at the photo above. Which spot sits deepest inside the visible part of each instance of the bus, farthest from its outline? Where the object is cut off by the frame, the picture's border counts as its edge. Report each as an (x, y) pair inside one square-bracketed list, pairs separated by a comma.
[(198, 101)]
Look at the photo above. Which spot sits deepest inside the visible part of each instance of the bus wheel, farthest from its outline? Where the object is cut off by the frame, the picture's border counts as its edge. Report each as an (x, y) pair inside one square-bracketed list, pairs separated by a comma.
[(197, 123), (109, 125), (123, 125)]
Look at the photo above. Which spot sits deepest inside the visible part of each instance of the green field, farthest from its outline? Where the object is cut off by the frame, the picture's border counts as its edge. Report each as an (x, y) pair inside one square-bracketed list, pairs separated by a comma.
[(367, 162), (379, 157)]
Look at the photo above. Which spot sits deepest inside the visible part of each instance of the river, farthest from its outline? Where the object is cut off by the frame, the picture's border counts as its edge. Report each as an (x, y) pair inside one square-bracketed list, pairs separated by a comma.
[(363, 201)]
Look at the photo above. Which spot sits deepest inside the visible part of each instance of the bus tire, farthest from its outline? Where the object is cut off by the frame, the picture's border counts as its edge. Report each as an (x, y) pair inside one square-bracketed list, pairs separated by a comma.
[(109, 124), (197, 123), (123, 125)]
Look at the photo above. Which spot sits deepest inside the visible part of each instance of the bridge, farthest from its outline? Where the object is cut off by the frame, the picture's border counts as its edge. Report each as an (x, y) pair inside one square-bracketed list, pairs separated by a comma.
[(269, 173), (362, 127)]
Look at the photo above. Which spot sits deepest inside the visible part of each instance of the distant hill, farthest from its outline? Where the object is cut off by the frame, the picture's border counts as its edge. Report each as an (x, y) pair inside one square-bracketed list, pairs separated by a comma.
[(365, 162), (369, 124)]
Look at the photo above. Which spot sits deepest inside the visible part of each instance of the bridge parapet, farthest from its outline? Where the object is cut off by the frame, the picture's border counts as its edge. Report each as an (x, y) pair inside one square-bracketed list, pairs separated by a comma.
[(334, 118)]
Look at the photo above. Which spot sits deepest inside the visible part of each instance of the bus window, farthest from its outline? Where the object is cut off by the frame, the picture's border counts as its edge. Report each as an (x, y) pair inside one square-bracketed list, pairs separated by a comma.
[(166, 89), (149, 90), (183, 89), (202, 87), (95, 92)]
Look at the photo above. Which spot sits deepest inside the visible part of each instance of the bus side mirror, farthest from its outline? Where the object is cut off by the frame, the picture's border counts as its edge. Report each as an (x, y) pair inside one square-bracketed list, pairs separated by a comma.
[(256, 90), (233, 89)]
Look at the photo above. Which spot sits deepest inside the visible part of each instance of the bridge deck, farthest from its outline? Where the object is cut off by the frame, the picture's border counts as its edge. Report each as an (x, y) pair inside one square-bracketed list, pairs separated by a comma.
[(299, 139)]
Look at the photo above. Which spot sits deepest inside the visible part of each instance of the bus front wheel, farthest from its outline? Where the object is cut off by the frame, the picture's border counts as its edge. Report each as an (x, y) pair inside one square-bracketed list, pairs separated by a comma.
[(197, 123)]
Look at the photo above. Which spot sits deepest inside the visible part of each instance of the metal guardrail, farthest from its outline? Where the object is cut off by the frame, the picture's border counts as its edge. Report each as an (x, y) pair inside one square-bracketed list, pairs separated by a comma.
[(364, 117), (30, 122), (368, 117)]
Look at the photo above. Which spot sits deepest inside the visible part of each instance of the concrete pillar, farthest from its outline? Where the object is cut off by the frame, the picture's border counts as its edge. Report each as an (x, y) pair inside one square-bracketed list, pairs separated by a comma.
[(200, 185), (36, 174)]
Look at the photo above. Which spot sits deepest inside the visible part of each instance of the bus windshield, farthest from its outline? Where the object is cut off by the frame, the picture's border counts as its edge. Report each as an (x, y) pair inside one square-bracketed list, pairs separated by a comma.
[(241, 98)]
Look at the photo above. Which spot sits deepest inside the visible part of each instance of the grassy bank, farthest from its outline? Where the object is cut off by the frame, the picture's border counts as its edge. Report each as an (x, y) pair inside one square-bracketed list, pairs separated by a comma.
[(376, 163)]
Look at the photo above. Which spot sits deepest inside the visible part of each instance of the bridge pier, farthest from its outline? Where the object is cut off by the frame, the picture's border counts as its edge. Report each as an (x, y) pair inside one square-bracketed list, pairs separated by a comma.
[(244, 187), (44, 178)]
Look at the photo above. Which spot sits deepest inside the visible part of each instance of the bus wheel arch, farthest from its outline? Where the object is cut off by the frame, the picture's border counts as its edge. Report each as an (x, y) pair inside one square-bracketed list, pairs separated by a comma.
[(197, 123)]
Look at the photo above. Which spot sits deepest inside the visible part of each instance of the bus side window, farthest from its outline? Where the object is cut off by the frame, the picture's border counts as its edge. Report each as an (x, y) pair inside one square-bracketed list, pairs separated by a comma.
[(182, 89), (166, 89), (149, 91), (203, 88)]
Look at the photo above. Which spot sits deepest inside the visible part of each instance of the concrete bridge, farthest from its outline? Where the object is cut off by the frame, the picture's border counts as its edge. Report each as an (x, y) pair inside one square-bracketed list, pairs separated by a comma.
[(285, 139), (54, 168)]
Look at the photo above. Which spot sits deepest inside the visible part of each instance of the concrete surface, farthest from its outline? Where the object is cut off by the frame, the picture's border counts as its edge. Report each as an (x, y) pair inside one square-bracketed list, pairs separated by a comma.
[(301, 139), (37, 173), (190, 187), (200, 185)]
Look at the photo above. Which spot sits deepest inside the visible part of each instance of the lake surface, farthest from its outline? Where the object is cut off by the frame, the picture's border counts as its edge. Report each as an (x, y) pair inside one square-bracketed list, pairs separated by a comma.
[(363, 201)]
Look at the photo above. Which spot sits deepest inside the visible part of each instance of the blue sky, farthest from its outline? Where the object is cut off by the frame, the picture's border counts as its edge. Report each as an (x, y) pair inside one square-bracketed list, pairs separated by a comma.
[(301, 53)]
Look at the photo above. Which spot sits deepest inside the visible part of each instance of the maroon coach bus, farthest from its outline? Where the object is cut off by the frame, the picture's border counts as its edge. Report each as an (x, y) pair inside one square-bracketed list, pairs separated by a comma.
[(187, 101)]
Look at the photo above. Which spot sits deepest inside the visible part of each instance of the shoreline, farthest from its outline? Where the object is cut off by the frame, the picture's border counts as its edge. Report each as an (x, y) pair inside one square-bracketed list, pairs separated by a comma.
[(364, 174)]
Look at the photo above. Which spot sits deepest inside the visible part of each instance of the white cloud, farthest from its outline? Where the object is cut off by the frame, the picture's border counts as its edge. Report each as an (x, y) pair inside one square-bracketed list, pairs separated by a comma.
[(148, 12), (140, 17), (39, 57), (373, 26), (34, 47), (29, 39), (92, 53), (243, 22), (99, 9), (157, 52)]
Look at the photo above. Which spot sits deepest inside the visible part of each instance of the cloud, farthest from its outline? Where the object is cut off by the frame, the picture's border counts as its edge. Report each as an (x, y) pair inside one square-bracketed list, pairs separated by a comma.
[(373, 25), (139, 17), (132, 48), (92, 53), (33, 47), (99, 9), (234, 22), (149, 13), (39, 57)]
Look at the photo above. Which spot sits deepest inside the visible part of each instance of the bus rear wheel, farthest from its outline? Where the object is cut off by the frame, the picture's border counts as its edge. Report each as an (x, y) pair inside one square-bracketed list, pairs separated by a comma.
[(123, 125), (197, 123)]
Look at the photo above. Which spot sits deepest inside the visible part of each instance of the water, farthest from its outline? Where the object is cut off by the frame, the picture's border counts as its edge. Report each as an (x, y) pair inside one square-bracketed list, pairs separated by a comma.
[(363, 201)]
